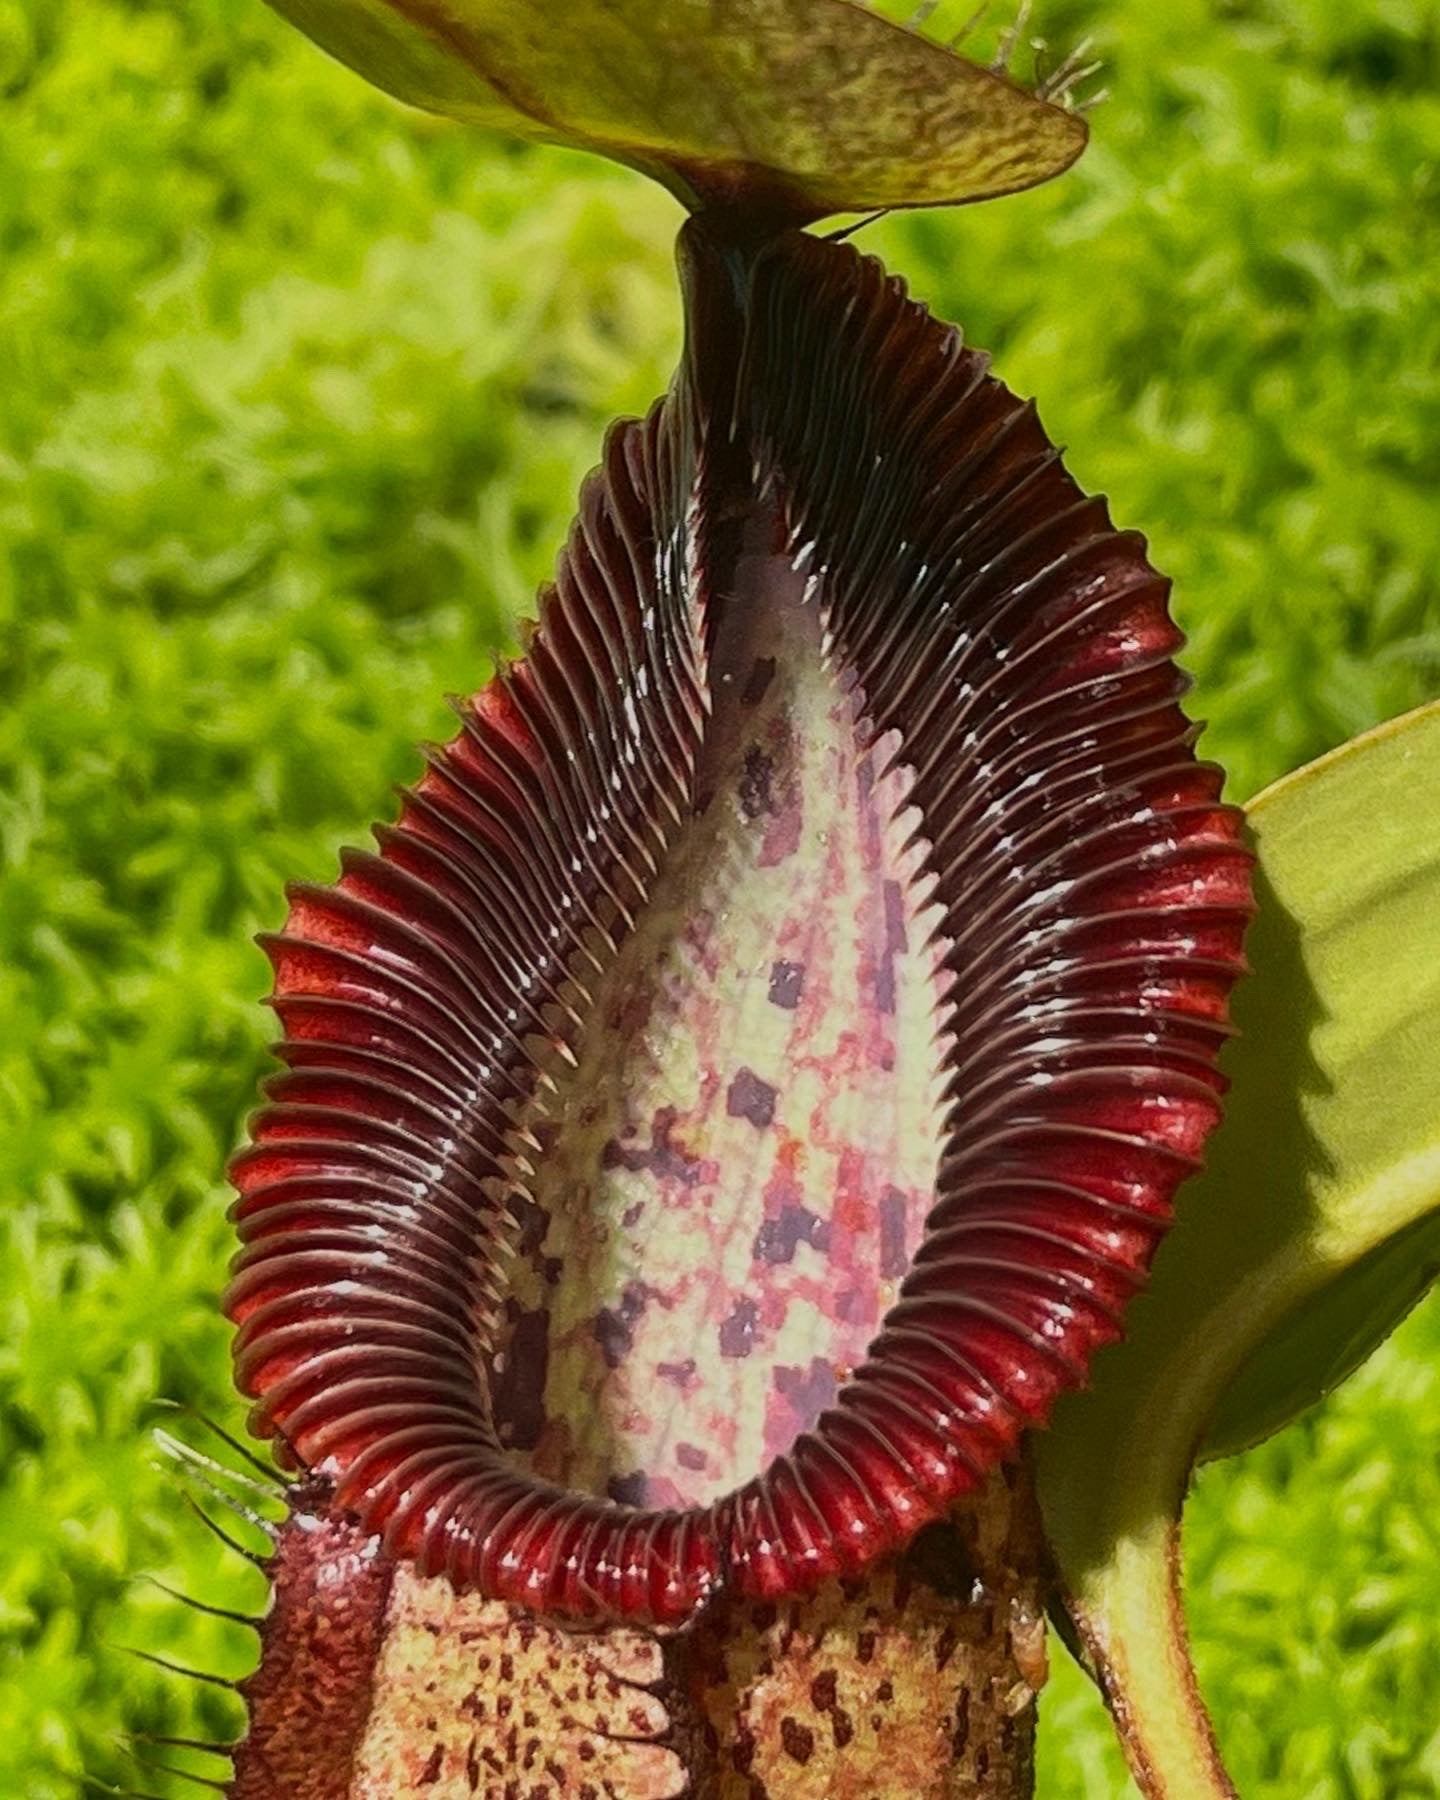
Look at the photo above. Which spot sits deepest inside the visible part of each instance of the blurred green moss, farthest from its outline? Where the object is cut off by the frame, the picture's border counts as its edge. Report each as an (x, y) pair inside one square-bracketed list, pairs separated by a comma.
[(295, 393)]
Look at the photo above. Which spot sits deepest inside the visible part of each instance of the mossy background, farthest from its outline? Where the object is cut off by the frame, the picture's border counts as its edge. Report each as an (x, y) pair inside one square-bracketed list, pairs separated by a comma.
[(295, 392)]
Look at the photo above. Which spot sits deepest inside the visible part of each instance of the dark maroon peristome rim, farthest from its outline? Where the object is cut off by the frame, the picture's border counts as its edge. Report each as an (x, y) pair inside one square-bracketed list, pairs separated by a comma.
[(1094, 891)]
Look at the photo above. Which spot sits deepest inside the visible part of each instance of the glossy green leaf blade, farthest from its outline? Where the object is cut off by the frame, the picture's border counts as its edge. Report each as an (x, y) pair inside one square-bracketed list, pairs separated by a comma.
[(1318, 1346), (1315, 1227), (799, 107)]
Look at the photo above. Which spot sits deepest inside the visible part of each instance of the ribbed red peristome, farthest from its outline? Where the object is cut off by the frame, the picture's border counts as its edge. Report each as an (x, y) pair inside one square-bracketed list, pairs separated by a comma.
[(1094, 893)]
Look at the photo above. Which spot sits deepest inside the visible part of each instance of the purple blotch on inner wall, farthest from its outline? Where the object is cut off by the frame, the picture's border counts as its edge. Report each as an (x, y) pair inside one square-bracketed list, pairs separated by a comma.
[(750, 1098), (787, 984), (737, 1332)]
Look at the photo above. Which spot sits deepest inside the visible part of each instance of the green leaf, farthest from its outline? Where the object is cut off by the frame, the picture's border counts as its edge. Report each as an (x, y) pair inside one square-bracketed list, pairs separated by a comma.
[(1314, 1229), (796, 107)]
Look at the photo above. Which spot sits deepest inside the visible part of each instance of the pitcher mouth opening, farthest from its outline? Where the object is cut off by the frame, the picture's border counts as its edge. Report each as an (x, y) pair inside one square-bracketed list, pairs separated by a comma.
[(752, 1076)]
